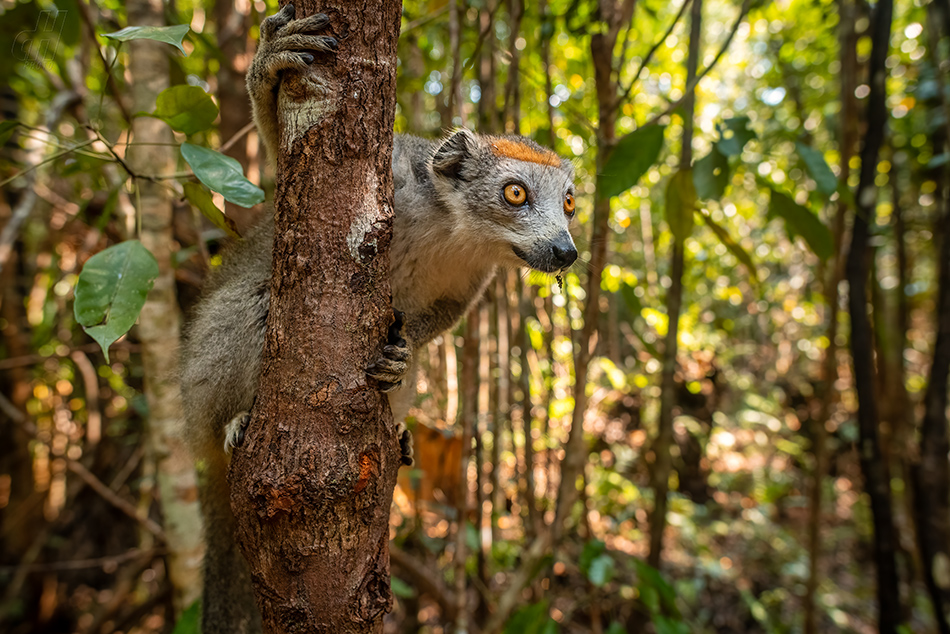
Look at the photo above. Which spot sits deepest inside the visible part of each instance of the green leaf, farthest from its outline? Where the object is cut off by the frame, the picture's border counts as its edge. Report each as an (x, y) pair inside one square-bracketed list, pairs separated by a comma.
[(735, 134), (711, 175), (402, 589), (818, 169), (650, 578), (680, 204), (734, 247), (592, 550), (532, 619), (169, 34), (601, 570), (188, 109), (111, 291), (666, 625), (801, 221), (6, 130), (201, 199), (616, 628), (190, 620), (630, 159), (222, 174)]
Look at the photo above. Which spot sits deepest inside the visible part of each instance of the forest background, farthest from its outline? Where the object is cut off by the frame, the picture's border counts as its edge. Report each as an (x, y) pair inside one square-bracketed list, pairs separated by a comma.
[(755, 344)]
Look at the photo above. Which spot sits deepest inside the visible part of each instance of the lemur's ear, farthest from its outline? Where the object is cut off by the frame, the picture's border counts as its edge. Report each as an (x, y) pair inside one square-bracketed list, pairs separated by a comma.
[(452, 154)]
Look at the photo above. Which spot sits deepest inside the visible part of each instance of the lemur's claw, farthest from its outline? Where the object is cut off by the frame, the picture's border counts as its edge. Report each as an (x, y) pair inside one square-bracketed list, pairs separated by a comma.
[(234, 431), (394, 364), (405, 444)]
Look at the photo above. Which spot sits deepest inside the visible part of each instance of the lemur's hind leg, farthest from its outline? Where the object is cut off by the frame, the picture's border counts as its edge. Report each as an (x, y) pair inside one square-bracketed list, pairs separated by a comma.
[(392, 367)]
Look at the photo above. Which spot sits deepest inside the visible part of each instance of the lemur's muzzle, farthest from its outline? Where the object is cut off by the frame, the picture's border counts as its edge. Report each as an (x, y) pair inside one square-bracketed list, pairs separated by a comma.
[(563, 252)]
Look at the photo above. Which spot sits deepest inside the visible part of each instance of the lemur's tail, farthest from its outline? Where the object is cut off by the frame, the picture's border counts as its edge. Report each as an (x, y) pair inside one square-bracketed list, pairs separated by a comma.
[(228, 605)]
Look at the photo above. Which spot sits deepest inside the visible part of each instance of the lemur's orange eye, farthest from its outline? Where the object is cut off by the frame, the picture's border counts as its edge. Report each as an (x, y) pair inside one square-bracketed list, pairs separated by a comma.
[(569, 204), (515, 194)]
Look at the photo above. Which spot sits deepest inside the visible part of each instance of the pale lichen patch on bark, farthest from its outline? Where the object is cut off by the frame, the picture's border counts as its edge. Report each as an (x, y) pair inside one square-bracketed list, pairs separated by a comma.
[(302, 106)]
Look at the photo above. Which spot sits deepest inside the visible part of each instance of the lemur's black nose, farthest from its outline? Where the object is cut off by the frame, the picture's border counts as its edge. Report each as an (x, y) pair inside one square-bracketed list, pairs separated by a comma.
[(564, 255)]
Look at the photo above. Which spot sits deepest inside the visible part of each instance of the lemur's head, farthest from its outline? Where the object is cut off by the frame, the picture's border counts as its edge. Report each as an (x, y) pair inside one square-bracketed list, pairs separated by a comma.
[(518, 197)]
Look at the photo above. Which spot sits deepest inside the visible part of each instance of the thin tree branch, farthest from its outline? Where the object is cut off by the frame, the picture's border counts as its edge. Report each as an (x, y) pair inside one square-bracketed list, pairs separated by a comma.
[(692, 85), (87, 476), (649, 56)]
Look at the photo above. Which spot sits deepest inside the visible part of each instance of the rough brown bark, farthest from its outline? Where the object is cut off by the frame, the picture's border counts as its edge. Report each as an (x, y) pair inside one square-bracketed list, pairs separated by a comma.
[(873, 465), (312, 486)]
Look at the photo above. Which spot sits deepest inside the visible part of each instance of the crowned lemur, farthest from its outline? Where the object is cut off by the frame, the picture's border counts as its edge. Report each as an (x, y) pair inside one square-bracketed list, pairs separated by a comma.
[(463, 207)]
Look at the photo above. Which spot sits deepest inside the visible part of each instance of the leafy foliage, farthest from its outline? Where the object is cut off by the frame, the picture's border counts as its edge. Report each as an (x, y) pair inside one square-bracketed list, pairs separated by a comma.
[(188, 109), (168, 34), (222, 174), (633, 155), (111, 291)]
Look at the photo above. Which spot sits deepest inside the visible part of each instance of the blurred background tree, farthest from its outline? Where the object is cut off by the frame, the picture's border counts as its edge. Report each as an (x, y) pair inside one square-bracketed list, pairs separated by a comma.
[(667, 441)]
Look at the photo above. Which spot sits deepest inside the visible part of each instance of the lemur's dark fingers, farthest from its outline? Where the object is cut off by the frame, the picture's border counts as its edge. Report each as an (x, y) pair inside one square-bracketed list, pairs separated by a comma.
[(397, 353), (387, 371), (405, 444), (272, 24), (394, 335), (234, 431), (385, 387), (287, 60), (310, 24), (299, 42), (391, 366)]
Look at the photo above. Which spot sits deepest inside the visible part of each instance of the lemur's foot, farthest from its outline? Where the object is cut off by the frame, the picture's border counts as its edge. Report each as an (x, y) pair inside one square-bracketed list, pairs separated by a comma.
[(234, 431), (396, 361), (288, 44), (405, 444)]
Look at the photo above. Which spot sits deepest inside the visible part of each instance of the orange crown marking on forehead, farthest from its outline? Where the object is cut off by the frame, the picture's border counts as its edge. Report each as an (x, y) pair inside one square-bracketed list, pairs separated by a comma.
[(521, 152)]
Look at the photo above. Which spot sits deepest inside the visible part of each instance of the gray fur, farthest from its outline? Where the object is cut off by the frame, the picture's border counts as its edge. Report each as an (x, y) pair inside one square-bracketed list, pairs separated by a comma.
[(452, 229)]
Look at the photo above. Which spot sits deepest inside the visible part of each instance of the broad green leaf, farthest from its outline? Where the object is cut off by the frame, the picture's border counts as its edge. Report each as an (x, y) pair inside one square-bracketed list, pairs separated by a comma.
[(735, 134), (741, 254), (402, 589), (630, 159), (111, 291), (711, 175), (601, 570), (201, 199), (651, 577), (169, 34), (6, 130), (190, 620), (680, 204), (818, 169), (222, 174), (801, 221), (532, 619), (592, 550), (188, 109), (666, 625), (616, 628)]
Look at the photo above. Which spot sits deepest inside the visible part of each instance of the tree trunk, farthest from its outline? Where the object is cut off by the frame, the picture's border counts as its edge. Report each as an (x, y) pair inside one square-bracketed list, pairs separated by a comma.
[(575, 454), (312, 486), (232, 26), (931, 476), (829, 369), (159, 319), (873, 465), (674, 303)]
